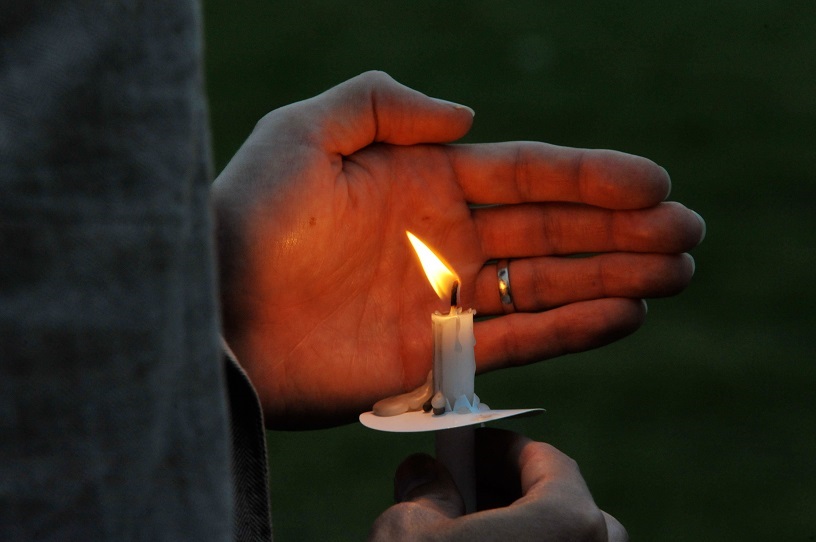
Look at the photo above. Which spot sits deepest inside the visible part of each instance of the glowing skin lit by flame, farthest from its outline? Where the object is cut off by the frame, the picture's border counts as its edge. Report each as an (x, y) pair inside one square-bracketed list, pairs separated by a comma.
[(439, 275)]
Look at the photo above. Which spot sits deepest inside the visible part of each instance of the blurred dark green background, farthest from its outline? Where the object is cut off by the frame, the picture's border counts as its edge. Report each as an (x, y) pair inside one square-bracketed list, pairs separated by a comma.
[(701, 425)]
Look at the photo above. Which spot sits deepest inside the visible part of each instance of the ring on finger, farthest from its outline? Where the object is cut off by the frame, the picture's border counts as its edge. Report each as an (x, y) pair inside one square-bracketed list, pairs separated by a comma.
[(505, 293)]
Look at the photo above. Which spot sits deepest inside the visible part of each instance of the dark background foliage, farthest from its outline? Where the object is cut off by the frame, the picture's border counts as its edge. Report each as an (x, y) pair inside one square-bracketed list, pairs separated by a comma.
[(701, 425)]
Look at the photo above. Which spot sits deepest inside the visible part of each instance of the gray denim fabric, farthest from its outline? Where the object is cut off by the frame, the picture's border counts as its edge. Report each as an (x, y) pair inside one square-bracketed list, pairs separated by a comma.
[(113, 418), (249, 467)]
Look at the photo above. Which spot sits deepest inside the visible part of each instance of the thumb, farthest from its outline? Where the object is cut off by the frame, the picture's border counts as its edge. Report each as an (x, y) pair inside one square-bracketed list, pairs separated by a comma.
[(423, 480), (373, 107)]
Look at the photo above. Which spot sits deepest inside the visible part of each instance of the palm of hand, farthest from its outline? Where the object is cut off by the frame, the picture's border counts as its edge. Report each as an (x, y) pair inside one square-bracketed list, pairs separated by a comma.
[(340, 307)]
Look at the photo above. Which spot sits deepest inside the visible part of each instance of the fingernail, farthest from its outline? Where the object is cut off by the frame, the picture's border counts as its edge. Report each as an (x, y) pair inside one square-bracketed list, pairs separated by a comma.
[(690, 258), (645, 306), (668, 179), (457, 106), (416, 471), (703, 224)]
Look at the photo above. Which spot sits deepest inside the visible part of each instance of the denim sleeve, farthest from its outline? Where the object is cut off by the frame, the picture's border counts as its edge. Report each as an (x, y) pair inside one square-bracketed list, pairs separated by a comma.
[(113, 415)]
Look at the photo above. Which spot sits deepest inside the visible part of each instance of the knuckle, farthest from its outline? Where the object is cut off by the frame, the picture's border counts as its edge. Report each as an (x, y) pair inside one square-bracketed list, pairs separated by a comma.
[(556, 457), (615, 531), (374, 79), (265, 120), (591, 524), (271, 120), (579, 521), (407, 521)]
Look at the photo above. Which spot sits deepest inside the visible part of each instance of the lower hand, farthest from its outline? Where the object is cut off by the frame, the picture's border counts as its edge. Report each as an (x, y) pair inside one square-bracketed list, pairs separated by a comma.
[(529, 491)]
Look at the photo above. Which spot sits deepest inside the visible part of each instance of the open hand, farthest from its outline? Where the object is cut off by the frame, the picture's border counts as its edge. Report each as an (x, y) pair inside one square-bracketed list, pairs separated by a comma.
[(324, 302)]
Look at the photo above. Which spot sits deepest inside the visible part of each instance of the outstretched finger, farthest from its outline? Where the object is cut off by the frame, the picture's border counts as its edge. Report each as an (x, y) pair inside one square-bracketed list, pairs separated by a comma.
[(515, 231), (533, 172), (522, 338), (544, 283)]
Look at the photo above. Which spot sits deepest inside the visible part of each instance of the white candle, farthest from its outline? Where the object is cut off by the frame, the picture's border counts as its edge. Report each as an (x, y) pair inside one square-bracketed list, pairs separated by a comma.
[(454, 366)]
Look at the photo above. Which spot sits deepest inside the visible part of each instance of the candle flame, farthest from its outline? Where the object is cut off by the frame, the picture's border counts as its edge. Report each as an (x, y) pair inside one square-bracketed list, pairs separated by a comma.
[(439, 274)]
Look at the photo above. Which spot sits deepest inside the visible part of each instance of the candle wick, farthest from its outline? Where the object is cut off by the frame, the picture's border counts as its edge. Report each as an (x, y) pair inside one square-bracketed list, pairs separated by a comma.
[(455, 294)]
